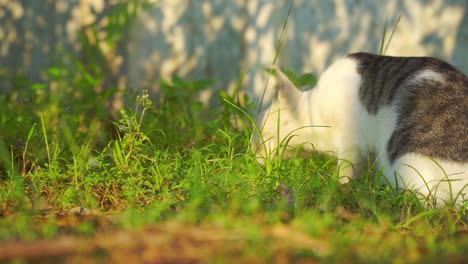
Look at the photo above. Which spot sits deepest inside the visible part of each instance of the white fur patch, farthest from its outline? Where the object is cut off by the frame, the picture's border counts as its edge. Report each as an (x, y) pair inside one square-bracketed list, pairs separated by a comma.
[(447, 181), (428, 74)]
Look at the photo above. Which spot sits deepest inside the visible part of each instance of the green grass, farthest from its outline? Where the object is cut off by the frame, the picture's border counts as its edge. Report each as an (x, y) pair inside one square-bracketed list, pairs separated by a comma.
[(169, 163)]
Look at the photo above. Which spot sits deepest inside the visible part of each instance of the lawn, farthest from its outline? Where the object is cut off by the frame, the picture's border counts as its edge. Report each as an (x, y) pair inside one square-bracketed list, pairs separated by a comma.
[(168, 180)]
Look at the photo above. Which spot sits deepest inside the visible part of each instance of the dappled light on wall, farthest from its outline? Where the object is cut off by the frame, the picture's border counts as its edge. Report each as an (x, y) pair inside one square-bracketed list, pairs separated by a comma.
[(137, 43)]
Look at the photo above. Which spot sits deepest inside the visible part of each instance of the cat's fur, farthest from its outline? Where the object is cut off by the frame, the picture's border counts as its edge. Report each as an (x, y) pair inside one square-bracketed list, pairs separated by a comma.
[(411, 112)]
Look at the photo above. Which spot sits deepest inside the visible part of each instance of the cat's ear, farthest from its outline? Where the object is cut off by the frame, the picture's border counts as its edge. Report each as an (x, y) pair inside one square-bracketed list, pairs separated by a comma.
[(285, 89)]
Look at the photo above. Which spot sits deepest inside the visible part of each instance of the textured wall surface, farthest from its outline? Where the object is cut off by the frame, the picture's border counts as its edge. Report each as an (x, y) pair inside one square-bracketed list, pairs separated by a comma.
[(222, 39), (33, 32)]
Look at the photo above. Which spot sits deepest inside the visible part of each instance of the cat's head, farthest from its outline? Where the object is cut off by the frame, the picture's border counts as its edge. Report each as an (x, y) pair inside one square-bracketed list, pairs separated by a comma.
[(281, 126)]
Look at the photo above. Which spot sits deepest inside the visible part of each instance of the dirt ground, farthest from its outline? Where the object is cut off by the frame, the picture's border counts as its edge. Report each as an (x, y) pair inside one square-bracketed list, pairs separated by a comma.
[(168, 242)]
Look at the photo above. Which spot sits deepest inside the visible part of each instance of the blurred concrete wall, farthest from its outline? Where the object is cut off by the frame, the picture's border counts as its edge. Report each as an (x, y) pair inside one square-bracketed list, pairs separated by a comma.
[(32, 33), (221, 39)]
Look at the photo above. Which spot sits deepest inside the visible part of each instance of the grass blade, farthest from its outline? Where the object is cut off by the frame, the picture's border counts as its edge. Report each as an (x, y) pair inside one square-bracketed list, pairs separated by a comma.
[(278, 49)]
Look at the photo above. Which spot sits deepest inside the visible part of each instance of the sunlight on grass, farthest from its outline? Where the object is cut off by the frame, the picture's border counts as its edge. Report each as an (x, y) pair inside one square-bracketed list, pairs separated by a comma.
[(154, 173)]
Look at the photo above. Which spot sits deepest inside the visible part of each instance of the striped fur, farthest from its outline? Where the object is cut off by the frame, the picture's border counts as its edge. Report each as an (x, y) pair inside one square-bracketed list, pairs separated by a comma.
[(431, 97)]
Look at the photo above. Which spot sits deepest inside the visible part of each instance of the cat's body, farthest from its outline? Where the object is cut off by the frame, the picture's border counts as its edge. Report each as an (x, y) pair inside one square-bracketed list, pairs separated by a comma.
[(411, 112)]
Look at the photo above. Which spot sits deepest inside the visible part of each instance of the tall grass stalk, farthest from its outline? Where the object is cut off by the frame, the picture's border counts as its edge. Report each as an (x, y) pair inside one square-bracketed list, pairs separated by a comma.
[(280, 42), (384, 46)]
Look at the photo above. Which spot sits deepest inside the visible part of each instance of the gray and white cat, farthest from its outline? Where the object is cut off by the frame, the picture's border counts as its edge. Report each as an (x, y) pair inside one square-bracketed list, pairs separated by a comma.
[(411, 112)]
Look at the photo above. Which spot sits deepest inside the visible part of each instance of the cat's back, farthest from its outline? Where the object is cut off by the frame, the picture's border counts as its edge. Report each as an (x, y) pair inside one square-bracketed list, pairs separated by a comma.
[(430, 98), (386, 77)]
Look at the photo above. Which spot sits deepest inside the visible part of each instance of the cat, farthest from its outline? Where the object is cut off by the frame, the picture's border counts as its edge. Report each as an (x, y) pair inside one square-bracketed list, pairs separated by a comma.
[(411, 112)]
